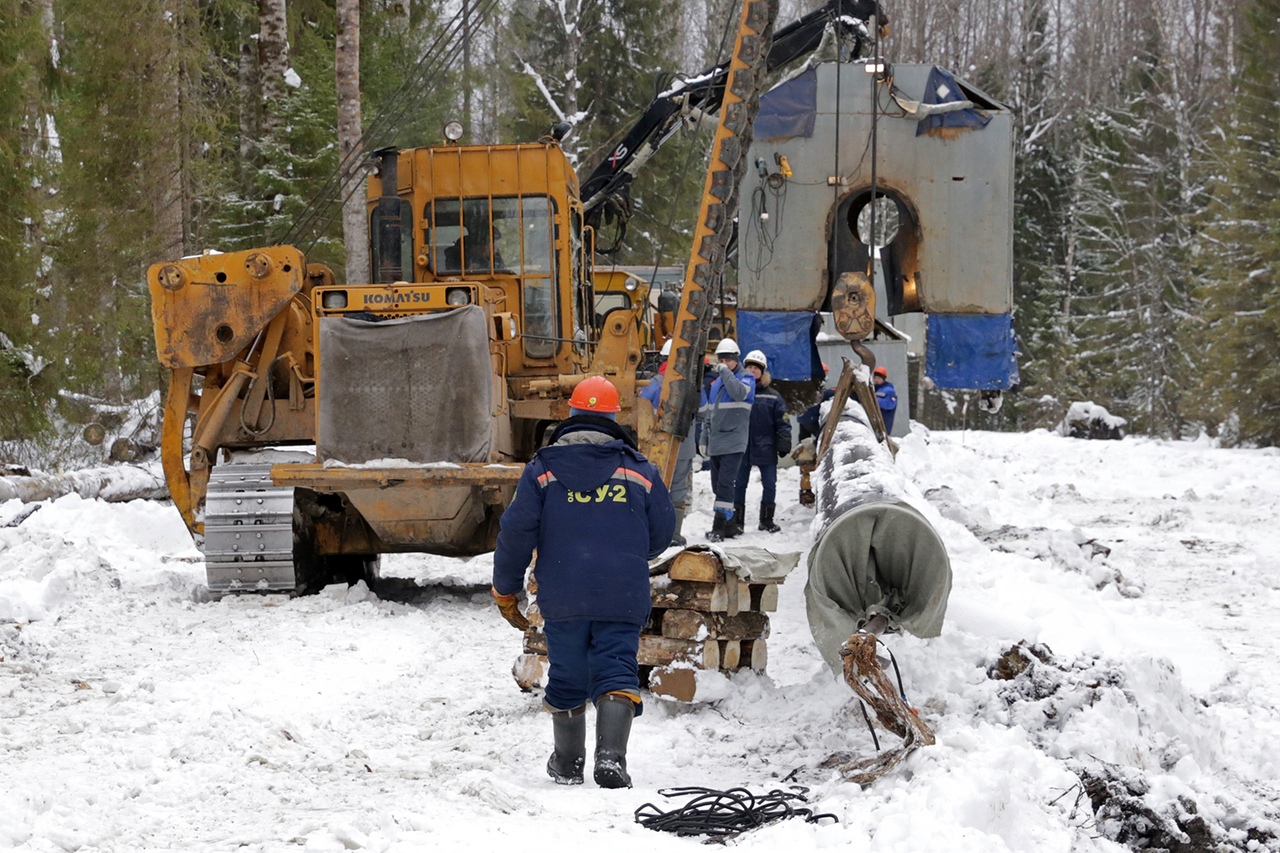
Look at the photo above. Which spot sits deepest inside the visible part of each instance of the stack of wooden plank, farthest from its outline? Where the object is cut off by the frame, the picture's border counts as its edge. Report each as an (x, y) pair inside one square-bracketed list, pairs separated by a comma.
[(705, 617)]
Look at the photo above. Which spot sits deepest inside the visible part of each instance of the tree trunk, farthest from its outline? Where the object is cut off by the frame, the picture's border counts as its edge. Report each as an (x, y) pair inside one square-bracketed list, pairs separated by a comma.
[(170, 198), (114, 484), (248, 85), (273, 59), (355, 230)]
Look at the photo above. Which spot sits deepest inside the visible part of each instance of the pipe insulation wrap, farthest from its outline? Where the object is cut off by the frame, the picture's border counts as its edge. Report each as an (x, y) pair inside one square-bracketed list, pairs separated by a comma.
[(873, 552)]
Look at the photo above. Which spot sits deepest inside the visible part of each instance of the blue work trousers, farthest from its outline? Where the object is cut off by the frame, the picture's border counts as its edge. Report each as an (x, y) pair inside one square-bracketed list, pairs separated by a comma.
[(768, 482), (589, 659), (724, 476)]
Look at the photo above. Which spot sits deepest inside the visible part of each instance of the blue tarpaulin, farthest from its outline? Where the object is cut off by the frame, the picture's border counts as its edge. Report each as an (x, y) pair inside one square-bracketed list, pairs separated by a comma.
[(787, 340), (972, 351), (942, 88), (789, 109)]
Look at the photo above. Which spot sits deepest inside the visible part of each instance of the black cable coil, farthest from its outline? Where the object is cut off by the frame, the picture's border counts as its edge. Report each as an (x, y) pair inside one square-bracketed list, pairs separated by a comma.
[(723, 814)]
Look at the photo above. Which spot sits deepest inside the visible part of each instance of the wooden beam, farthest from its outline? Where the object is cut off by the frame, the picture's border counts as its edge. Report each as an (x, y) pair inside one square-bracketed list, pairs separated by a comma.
[(695, 625)]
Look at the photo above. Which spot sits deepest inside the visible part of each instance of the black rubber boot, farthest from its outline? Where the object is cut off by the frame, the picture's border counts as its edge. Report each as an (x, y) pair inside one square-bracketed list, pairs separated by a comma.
[(677, 538), (570, 730), (734, 526), (613, 728), (766, 519), (717, 527)]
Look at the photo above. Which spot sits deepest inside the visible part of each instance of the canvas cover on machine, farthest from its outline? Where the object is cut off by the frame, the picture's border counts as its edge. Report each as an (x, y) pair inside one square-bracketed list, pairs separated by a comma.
[(972, 351), (789, 109), (787, 340), (414, 388)]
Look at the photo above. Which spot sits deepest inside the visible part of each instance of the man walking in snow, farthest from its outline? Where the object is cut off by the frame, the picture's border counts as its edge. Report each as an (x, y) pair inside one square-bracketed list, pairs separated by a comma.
[(596, 511)]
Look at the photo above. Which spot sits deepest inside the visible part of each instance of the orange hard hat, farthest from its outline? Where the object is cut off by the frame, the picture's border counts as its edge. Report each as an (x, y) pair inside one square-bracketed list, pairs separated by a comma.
[(880, 371), (595, 394)]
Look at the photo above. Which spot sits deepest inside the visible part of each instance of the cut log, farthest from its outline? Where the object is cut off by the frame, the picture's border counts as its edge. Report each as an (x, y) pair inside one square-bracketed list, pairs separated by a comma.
[(530, 671), (754, 655), (661, 651), (677, 683), (702, 566), (730, 654), (695, 625), (730, 598)]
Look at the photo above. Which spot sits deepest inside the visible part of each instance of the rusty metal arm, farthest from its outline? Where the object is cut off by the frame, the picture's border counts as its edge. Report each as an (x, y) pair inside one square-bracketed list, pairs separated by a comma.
[(705, 271)]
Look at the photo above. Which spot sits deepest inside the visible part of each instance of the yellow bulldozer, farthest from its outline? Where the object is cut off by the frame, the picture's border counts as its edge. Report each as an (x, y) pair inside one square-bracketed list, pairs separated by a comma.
[(416, 398)]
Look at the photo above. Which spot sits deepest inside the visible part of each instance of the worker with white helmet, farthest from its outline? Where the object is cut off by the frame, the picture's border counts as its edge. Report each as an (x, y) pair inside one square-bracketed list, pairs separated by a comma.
[(769, 438), (727, 415)]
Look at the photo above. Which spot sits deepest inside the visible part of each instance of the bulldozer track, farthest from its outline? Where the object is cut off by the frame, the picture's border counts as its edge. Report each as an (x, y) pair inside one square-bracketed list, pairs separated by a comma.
[(248, 531)]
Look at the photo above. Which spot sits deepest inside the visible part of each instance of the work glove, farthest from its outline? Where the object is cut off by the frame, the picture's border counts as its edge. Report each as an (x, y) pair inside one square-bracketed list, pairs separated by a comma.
[(509, 609), (805, 452)]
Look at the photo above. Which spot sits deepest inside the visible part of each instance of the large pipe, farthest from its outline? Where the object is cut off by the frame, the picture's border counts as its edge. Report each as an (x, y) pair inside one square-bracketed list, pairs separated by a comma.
[(873, 552)]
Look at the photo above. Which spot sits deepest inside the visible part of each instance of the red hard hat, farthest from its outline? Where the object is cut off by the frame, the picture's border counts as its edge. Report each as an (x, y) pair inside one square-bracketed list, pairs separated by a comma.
[(595, 394), (880, 371)]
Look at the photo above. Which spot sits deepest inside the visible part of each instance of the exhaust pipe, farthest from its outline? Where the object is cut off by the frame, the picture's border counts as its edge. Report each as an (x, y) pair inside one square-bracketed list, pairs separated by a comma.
[(390, 229)]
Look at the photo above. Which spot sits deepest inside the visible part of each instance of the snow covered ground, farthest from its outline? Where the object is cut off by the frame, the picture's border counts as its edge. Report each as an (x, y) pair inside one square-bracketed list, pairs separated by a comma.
[(134, 716)]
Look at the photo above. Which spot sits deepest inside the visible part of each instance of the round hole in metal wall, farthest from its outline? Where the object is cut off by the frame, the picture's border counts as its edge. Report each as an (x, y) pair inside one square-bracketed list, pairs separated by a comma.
[(224, 333), (887, 222)]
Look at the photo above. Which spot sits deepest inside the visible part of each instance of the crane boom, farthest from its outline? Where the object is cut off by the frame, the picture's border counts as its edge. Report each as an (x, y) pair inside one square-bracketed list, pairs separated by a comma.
[(741, 101)]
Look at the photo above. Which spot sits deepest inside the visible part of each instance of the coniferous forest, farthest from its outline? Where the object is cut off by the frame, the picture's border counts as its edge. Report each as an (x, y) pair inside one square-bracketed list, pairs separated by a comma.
[(1147, 249)]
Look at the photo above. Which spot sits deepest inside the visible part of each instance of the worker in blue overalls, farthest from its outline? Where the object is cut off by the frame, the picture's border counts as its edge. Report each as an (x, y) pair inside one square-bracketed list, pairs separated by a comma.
[(596, 511)]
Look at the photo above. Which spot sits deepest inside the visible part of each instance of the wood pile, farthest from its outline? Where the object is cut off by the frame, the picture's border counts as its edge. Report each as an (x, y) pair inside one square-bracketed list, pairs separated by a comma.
[(705, 617)]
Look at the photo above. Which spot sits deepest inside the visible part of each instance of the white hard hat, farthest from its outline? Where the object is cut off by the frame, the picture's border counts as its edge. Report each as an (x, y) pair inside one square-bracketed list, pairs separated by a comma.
[(727, 346), (757, 357), (666, 348)]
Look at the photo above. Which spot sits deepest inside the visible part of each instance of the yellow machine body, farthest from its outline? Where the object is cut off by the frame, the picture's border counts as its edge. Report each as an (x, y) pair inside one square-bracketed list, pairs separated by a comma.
[(496, 231)]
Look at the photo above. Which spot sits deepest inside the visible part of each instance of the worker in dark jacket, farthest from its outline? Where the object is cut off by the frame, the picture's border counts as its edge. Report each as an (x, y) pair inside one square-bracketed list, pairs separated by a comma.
[(596, 511), (769, 438), (886, 397), (727, 419)]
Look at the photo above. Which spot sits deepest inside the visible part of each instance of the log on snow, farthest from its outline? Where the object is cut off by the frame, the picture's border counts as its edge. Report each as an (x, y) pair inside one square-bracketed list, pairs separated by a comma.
[(115, 484)]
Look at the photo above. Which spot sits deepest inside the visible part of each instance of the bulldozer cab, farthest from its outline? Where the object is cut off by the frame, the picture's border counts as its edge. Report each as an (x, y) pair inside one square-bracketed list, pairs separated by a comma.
[(505, 216)]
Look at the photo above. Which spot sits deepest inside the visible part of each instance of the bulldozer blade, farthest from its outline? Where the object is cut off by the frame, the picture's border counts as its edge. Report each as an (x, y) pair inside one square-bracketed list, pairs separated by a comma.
[(863, 673)]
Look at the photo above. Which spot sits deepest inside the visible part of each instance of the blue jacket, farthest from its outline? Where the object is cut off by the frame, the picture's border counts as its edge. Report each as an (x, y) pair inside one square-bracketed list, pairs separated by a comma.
[(770, 429), (727, 412), (887, 399), (653, 391), (595, 510)]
